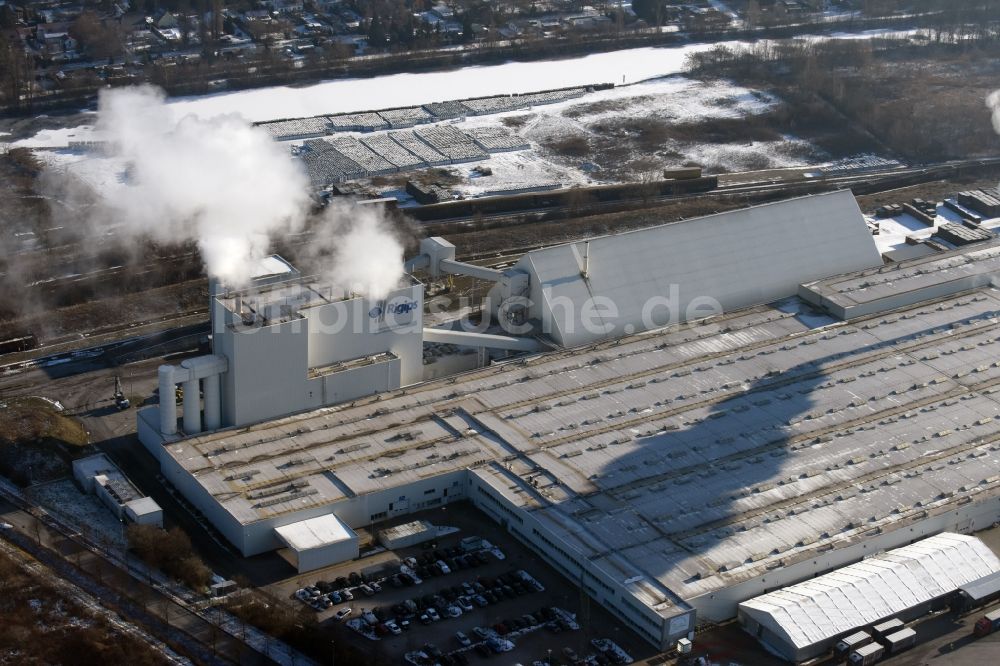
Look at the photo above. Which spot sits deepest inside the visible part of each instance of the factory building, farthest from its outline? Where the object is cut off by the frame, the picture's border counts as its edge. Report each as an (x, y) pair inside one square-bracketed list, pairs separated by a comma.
[(673, 473), (100, 477), (732, 259), (804, 621)]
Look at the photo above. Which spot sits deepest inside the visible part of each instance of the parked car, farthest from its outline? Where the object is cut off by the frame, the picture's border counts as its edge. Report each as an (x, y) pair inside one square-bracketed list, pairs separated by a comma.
[(464, 604), (346, 595), (393, 627), (480, 601), (462, 639), (432, 614), (480, 633), (453, 611), (366, 590), (342, 613)]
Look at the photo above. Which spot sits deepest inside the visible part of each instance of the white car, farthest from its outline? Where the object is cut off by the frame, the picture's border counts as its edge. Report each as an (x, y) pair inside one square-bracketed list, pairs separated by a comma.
[(464, 604), (342, 613), (432, 614), (443, 566), (346, 595), (393, 627), (453, 611)]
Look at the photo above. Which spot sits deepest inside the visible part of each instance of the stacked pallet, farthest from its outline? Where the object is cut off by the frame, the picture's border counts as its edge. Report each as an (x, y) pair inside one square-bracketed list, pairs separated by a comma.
[(357, 122), (327, 165), (959, 235), (373, 163), (299, 128), (410, 142), (392, 152), (447, 110), (406, 117), (984, 202), (497, 139), (451, 143)]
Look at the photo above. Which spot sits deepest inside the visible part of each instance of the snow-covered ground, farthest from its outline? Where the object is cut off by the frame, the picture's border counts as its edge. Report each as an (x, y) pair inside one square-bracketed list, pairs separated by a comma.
[(893, 231), (85, 512), (673, 100), (658, 91)]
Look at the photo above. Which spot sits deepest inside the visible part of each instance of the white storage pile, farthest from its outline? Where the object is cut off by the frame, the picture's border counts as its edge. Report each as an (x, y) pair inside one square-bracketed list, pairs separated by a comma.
[(410, 116), (392, 152), (497, 139), (373, 163), (299, 128), (410, 142), (452, 143), (447, 110), (357, 122), (406, 117), (327, 165)]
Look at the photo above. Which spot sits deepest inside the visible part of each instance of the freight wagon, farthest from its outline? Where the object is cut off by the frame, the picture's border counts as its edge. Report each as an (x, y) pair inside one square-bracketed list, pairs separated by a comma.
[(579, 196)]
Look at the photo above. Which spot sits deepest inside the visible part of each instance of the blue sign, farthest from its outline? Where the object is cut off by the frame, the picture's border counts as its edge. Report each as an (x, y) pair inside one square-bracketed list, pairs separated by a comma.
[(393, 308)]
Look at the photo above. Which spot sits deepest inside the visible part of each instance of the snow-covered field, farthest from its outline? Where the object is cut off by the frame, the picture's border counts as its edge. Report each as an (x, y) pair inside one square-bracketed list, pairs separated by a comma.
[(658, 92), (85, 512), (672, 100)]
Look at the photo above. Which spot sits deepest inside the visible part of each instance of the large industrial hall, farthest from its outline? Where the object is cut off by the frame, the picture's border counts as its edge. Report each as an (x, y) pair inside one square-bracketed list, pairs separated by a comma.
[(674, 473)]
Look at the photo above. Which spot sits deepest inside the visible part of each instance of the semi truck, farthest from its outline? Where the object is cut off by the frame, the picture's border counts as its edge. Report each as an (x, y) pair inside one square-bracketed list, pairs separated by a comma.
[(883, 629), (897, 642), (866, 655), (987, 624), (850, 643)]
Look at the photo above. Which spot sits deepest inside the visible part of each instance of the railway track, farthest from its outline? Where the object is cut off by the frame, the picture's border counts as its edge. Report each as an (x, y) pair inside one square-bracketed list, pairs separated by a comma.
[(872, 181)]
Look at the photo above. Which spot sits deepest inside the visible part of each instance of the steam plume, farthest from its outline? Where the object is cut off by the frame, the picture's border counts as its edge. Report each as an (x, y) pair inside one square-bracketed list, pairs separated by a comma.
[(366, 257), (218, 181), (993, 101)]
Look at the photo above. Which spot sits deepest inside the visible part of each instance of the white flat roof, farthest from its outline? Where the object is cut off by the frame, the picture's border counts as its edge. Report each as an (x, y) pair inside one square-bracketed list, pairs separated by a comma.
[(143, 506), (315, 532)]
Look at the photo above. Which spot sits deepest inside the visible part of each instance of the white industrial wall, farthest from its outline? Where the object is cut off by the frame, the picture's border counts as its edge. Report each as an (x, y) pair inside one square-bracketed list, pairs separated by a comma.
[(362, 511), (595, 582), (109, 501), (345, 330), (317, 558), (267, 371), (354, 383), (895, 301), (722, 604), (651, 277), (148, 518), (269, 366)]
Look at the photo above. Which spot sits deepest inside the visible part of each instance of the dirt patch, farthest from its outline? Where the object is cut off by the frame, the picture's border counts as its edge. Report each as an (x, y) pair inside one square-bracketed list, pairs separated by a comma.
[(517, 122), (40, 625), (37, 441), (569, 146)]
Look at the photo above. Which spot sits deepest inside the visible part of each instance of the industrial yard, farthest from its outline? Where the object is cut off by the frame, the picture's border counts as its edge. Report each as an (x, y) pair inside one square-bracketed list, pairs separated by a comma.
[(679, 355)]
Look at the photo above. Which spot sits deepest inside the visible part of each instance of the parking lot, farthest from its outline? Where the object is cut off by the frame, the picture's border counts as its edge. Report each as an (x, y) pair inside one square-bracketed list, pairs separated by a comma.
[(508, 599)]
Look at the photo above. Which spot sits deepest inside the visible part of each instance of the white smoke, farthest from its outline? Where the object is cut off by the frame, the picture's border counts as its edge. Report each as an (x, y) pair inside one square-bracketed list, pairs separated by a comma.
[(993, 101), (218, 181), (365, 256)]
